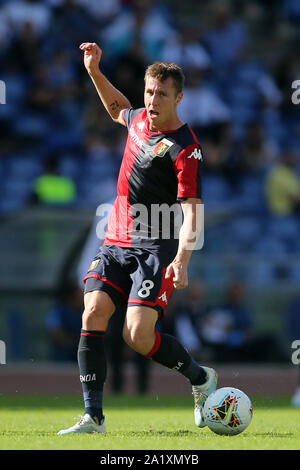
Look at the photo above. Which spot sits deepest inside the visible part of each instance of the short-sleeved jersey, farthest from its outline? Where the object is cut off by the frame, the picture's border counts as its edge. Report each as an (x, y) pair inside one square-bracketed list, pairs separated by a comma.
[(158, 170)]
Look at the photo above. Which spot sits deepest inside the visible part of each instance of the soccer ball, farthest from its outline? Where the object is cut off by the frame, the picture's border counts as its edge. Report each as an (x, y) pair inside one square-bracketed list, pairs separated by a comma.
[(227, 411)]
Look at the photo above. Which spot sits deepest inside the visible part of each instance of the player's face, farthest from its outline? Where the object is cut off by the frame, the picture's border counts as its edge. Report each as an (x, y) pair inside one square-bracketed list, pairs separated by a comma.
[(161, 100)]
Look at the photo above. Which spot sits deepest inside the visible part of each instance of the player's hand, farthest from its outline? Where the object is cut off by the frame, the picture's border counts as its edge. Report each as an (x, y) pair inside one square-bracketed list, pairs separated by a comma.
[(92, 55), (178, 272)]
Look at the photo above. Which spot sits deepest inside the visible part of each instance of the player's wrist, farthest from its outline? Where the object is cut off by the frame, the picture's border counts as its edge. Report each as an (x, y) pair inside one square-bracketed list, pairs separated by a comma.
[(94, 71), (182, 259)]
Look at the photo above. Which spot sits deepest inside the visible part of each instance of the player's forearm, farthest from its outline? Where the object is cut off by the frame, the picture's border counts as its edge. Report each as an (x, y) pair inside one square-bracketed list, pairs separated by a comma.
[(189, 233), (186, 246), (113, 100)]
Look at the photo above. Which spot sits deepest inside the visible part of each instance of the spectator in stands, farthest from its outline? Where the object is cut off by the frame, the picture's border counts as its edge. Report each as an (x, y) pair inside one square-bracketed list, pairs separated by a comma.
[(143, 23), (25, 44), (202, 107), (229, 330), (291, 10), (185, 50), (225, 331), (20, 12), (282, 186), (187, 312), (64, 322), (256, 152), (5, 33), (218, 186), (104, 11), (51, 189), (128, 75), (227, 37), (72, 22)]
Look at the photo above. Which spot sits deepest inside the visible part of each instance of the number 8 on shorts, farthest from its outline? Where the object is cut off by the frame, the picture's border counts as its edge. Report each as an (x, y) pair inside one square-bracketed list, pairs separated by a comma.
[(144, 291)]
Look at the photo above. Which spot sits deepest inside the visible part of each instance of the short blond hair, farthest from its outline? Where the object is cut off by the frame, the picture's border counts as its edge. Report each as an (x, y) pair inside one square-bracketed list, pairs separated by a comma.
[(163, 70)]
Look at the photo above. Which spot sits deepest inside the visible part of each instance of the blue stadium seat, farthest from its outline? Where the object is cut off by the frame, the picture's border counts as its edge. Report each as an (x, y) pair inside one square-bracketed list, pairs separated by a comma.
[(32, 125), (58, 140), (243, 232), (100, 168), (270, 245), (14, 195), (15, 188), (251, 194), (216, 188), (8, 206), (70, 166), (16, 88), (260, 272), (23, 167), (285, 229), (295, 271), (91, 195), (214, 272), (242, 95)]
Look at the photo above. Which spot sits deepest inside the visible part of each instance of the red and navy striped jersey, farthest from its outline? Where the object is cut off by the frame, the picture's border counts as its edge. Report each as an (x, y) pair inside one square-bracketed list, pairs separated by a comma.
[(158, 168)]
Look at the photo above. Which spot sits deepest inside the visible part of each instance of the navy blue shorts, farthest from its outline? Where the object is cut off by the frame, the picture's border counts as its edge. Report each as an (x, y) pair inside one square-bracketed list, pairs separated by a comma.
[(133, 276)]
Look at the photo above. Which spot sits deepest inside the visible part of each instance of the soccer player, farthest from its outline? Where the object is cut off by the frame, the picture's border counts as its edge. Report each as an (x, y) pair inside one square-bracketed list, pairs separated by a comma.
[(161, 165)]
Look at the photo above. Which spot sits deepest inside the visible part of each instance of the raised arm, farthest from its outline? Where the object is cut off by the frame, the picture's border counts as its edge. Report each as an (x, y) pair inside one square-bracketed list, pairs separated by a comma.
[(113, 100)]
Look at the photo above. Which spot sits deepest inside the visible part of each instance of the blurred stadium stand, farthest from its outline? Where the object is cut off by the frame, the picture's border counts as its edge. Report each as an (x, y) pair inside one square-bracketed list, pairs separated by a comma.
[(52, 108)]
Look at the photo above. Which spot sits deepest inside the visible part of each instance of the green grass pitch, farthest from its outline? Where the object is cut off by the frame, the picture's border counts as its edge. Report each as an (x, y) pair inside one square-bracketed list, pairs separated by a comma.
[(141, 423)]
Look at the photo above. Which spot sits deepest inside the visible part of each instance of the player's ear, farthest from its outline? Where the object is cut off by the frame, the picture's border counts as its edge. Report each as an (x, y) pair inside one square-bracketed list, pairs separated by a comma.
[(179, 97)]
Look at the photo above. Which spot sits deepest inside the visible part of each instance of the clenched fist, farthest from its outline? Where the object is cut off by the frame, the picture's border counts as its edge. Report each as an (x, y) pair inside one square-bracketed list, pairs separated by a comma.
[(92, 55)]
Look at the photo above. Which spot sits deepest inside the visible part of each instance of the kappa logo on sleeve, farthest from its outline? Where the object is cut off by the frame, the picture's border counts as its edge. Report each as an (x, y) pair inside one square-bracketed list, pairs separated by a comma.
[(162, 147), (197, 154)]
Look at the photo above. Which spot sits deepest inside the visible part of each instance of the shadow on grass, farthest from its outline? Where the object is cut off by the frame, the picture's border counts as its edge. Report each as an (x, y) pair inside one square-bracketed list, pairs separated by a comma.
[(128, 434), (151, 433), (275, 434)]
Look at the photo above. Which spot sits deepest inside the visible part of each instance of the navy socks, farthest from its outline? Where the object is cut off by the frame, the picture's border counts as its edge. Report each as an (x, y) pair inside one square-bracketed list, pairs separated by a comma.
[(93, 369), (169, 352)]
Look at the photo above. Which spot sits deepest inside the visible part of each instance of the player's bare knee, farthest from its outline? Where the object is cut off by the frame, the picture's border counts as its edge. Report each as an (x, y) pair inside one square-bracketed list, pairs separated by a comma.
[(95, 312), (98, 309), (92, 311), (137, 338)]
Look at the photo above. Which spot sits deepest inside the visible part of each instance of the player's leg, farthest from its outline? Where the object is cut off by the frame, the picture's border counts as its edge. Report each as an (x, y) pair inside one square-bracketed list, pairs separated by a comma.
[(150, 292), (139, 333), (103, 292), (116, 348), (91, 351), (92, 360), (139, 328)]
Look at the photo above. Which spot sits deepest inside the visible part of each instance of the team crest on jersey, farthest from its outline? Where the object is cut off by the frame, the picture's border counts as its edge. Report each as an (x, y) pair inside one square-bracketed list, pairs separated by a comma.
[(94, 264), (162, 147)]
